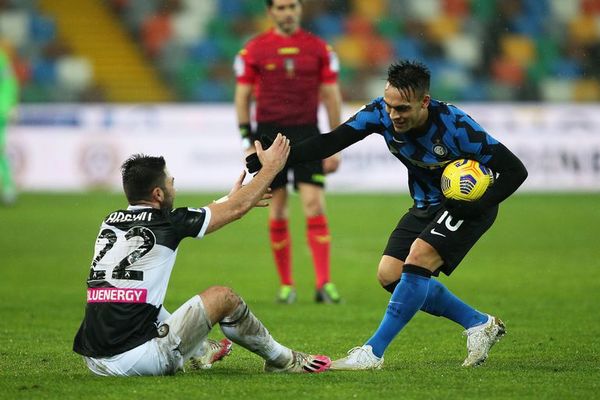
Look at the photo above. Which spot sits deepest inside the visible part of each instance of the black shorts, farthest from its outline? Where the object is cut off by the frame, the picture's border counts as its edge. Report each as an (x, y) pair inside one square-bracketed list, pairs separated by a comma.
[(309, 172), (452, 239)]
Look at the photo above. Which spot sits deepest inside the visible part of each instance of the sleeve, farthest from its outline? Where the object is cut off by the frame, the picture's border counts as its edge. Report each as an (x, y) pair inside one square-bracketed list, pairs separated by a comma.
[(330, 64), (318, 147), (510, 174), (191, 222), (245, 66), (471, 139), (475, 143)]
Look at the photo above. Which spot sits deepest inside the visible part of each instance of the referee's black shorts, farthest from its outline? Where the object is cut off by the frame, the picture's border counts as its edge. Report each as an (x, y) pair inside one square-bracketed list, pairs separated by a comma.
[(309, 172), (450, 237)]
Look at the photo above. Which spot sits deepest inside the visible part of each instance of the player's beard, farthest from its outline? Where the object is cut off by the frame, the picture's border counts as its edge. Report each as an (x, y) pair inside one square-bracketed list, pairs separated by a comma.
[(168, 202)]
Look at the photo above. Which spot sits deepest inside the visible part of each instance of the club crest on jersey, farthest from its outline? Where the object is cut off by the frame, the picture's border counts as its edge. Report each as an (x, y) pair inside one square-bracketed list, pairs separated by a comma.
[(440, 150)]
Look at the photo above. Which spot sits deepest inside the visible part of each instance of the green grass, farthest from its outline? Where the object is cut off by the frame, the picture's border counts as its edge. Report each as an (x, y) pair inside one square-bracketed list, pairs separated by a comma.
[(538, 268)]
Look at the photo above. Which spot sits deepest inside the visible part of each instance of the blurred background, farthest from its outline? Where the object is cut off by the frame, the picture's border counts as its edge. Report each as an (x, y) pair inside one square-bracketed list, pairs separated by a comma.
[(182, 50), (101, 79)]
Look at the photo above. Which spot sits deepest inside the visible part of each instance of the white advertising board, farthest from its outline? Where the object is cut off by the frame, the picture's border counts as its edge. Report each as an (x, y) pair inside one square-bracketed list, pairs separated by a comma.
[(73, 147)]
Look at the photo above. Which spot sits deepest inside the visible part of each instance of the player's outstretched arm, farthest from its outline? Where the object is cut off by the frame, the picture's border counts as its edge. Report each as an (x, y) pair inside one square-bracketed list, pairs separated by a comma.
[(243, 197), (316, 147)]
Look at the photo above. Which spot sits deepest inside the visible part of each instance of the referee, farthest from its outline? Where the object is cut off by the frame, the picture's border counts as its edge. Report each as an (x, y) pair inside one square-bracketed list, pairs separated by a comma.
[(288, 71)]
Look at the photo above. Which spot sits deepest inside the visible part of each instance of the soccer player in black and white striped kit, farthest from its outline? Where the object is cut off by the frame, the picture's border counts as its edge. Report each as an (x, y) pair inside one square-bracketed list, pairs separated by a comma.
[(126, 331)]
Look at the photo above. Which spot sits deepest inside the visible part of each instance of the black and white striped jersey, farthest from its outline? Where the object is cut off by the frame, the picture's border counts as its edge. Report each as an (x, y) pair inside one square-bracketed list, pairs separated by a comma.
[(134, 255)]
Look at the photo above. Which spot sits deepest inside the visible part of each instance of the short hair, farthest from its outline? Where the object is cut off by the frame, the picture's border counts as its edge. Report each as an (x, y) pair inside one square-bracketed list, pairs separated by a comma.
[(141, 174), (270, 3), (411, 75)]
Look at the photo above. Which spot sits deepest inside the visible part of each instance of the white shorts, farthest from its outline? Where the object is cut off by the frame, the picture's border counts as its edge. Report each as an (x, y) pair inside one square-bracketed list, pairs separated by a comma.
[(188, 327)]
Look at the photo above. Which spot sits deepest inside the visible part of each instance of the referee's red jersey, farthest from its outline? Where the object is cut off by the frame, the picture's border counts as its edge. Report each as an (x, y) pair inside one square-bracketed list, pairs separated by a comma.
[(286, 73)]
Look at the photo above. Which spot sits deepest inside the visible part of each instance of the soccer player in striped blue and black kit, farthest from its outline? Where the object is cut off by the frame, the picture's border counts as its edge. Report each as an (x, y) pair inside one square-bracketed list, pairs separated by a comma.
[(436, 233)]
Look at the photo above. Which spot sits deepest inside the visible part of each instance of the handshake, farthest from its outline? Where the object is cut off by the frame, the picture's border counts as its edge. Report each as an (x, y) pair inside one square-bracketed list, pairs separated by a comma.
[(253, 163), (269, 152)]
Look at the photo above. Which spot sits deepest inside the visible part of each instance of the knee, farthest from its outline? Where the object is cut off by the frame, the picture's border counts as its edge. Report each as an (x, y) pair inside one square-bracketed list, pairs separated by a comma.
[(386, 276), (314, 208), (382, 278), (424, 255), (226, 297)]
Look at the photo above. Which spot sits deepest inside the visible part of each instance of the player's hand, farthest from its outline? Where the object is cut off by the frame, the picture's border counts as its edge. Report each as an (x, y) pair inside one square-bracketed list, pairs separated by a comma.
[(266, 141), (461, 209), (275, 157), (253, 164), (264, 202), (331, 164)]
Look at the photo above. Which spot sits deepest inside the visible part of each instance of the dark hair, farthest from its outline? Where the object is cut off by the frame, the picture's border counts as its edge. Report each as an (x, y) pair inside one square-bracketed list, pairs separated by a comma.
[(411, 75), (270, 3), (141, 174)]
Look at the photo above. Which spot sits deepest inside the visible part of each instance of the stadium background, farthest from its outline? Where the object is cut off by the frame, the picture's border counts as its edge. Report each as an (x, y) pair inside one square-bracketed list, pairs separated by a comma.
[(182, 50), (102, 79)]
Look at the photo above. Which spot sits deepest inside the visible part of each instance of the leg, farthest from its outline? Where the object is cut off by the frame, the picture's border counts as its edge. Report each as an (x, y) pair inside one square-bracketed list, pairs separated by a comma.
[(281, 243), (238, 323), (317, 231), (440, 301), (409, 296), (319, 240)]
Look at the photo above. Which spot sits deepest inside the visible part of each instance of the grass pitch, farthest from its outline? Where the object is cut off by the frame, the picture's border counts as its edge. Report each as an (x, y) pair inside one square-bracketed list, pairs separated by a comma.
[(538, 269)]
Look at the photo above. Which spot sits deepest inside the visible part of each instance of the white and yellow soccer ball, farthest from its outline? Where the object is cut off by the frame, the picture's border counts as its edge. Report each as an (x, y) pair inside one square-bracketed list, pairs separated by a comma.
[(466, 180)]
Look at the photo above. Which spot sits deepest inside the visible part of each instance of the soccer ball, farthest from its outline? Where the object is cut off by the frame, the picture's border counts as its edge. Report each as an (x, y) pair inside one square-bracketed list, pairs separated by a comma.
[(466, 180)]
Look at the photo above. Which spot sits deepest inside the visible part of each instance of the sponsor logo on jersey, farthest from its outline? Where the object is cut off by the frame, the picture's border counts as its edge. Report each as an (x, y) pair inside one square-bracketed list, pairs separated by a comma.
[(116, 295)]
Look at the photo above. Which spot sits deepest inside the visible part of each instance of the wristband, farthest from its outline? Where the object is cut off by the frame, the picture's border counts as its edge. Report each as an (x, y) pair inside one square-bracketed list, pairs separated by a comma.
[(245, 130), (246, 143)]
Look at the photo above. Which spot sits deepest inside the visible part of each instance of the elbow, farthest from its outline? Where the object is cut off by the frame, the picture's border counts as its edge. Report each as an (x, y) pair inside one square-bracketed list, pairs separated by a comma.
[(523, 174)]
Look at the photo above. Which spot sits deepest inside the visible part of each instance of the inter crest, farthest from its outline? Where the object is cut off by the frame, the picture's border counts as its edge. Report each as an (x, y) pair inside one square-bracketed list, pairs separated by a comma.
[(440, 150)]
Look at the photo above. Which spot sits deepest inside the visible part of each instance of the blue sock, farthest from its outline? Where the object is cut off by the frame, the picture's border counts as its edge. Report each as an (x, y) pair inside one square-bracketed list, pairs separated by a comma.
[(407, 299), (442, 303)]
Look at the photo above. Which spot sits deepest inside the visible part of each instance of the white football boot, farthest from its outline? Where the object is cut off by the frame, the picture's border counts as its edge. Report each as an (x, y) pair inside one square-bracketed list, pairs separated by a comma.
[(358, 359), (214, 351), (302, 363), (480, 340)]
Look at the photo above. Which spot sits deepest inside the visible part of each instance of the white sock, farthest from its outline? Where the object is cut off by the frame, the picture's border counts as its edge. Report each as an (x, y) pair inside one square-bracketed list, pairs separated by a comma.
[(243, 328)]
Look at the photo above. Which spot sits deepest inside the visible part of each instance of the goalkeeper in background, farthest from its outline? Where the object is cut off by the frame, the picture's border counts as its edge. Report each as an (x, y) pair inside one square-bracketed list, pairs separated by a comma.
[(435, 234), (9, 95)]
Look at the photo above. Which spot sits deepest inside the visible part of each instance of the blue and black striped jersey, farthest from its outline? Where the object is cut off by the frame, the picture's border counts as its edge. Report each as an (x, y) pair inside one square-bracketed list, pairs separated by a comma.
[(449, 134)]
